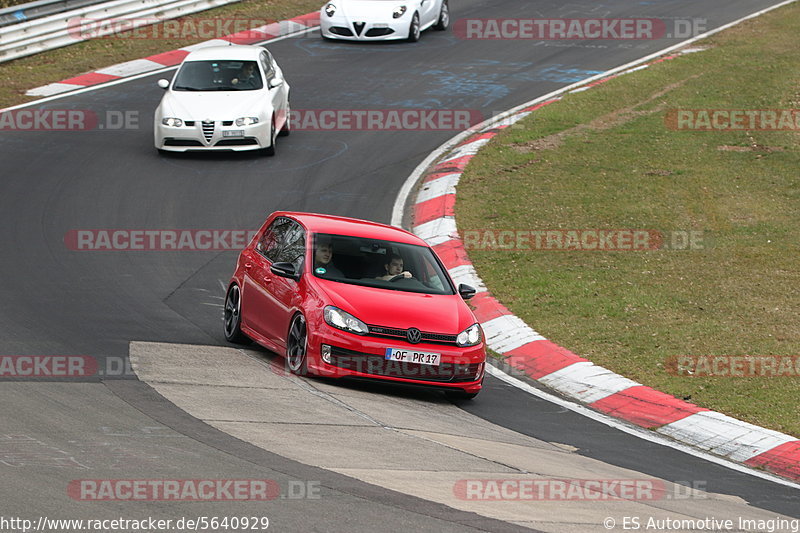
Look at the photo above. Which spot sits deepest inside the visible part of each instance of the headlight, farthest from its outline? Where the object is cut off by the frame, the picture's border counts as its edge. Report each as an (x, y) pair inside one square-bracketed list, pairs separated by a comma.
[(330, 9), (174, 122), (246, 121), (470, 336), (399, 12), (342, 320)]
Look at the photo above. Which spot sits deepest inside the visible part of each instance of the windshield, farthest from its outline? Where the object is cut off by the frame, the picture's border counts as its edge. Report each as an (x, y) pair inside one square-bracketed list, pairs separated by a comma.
[(218, 76), (377, 263)]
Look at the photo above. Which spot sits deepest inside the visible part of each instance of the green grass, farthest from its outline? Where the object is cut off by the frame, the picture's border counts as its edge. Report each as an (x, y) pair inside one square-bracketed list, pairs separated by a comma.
[(604, 158), (9, 3), (20, 75)]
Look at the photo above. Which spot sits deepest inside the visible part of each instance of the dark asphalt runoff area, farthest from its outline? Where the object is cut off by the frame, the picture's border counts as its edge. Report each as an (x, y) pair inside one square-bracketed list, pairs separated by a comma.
[(60, 301)]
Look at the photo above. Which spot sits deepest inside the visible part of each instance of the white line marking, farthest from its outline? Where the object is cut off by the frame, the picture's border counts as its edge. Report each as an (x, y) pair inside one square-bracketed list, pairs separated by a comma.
[(438, 187), (725, 435), (130, 68), (508, 332), (587, 382), (634, 430)]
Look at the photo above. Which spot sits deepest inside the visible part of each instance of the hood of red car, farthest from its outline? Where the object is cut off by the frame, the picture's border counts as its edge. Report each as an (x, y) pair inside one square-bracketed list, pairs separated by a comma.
[(433, 313)]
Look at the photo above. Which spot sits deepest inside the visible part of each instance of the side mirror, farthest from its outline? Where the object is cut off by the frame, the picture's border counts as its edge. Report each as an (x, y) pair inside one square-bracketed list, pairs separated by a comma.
[(466, 291), (275, 82), (164, 84), (285, 270)]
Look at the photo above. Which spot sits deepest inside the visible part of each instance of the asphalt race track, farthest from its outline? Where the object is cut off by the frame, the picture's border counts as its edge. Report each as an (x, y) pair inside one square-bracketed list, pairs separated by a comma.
[(64, 302)]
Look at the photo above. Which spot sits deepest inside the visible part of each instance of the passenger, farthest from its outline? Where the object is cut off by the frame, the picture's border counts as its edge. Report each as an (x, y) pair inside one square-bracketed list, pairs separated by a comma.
[(394, 267)]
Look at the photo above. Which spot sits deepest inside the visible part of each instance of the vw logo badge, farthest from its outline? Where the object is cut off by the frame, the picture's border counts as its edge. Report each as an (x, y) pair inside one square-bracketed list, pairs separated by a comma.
[(413, 335)]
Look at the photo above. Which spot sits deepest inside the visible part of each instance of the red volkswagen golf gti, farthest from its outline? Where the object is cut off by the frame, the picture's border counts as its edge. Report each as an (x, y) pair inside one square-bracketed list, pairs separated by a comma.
[(342, 297)]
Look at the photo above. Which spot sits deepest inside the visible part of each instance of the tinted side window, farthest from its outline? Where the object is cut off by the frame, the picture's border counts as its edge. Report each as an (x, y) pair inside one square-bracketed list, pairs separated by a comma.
[(293, 247), (270, 243)]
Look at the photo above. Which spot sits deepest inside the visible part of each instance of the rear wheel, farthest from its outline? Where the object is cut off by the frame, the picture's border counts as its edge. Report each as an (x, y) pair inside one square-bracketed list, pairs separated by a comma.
[(444, 17), (232, 316), (413, 30), (297, 346)]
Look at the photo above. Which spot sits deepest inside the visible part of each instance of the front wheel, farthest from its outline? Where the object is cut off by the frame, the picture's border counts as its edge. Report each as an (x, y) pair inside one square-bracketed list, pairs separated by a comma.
[(297, 346), (413, 30), (444, 17), (233, 316), (269, 151), (287, 126)]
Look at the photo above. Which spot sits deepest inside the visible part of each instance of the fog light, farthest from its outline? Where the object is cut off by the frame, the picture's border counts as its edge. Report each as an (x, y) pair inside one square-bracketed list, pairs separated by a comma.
[(326, 353), (480, 371)]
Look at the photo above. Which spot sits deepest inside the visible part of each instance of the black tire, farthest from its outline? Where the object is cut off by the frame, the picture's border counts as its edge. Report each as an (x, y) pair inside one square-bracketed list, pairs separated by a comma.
[(287, 126), (444, 18), (297, 346), (269, 151), (232, 316), (413, 29), (459, 395)]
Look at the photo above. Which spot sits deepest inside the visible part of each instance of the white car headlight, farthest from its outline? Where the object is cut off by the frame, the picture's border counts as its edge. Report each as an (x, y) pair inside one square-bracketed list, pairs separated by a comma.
[(330, 9), (246, 121), (170, 121), (343, 320), (399, 12), (470, 336)]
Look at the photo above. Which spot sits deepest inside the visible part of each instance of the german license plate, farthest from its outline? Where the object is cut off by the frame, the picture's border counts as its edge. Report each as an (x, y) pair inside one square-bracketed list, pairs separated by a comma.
[(233, 133), (413, 356)]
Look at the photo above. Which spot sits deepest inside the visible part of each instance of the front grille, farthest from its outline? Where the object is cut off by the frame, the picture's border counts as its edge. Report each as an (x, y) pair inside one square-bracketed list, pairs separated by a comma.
[(359, 27), (395, 333), (237, 142), (227, 123), (377, 365), (378, 32), (208, 130), (189, 122), (339, 30), (182, 142)]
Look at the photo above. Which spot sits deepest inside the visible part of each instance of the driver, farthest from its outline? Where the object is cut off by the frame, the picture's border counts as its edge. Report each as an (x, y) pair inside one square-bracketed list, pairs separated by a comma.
[(394, 268), (323, 266), (246, 78)]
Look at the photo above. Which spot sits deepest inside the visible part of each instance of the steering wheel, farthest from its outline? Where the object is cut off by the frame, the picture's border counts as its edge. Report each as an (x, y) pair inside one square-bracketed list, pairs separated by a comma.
[(399, 276)]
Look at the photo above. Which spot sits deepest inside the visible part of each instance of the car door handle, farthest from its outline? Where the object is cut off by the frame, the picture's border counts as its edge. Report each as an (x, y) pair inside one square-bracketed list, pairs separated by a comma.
[(265, 279), (248, 266)]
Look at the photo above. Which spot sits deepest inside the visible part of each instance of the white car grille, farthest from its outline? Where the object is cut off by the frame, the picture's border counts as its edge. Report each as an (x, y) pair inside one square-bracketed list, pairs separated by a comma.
[(208, 130)]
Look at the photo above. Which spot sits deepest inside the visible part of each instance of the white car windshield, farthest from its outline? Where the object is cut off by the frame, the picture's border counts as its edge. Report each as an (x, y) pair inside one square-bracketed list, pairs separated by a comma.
[(226, 75), (378, 263)]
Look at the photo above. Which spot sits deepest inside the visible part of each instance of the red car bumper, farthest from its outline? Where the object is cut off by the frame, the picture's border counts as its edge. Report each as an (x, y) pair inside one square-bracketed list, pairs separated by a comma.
[(353, 355)]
